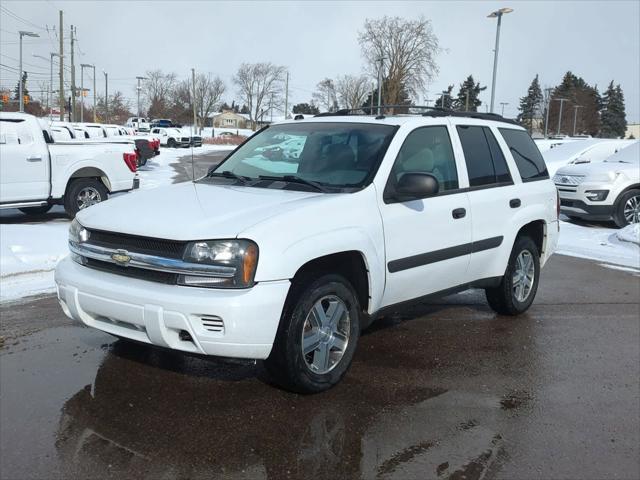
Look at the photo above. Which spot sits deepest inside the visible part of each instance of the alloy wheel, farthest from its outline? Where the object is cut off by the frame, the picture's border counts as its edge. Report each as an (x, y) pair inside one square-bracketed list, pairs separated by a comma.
[(87, 196), (325, 334), (631, 210), (523, 276)]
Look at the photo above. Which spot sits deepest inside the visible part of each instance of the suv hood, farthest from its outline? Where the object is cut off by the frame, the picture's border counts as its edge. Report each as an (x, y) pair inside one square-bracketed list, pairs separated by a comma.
[(193, 211), (597, 169)]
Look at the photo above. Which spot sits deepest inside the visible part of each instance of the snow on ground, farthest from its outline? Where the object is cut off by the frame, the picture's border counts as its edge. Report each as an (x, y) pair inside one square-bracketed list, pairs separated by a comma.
[(597, 242)]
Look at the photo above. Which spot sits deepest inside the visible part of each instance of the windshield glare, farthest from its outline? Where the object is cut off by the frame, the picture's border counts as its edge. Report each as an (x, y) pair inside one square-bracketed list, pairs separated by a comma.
[(331, 154)]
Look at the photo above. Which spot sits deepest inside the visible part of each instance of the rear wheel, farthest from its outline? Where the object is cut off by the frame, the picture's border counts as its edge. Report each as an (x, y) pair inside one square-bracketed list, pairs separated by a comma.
[(627, 210), (36, 210), (519, 285), (171, 143), (317, 336), (82, 193)]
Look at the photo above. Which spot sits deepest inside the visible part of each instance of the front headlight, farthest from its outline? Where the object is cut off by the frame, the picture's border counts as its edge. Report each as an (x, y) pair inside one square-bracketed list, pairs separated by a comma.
[(240, 255), (77, 234)]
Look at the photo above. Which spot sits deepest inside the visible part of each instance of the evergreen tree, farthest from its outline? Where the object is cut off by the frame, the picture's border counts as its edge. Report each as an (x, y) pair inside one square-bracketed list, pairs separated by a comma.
[(16, 91), (244, 110), (471, 89), (580, 107), (306, 109), (531, 105), (445, 100), (613, 117)]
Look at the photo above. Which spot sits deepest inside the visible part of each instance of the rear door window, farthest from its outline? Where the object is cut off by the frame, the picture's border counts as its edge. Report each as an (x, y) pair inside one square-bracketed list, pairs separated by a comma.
[(526, 154), (485, 162)]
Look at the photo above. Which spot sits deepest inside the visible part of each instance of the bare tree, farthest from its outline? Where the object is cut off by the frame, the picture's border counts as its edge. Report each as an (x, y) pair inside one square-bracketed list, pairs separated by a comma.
[(260, 86), (352, 90), (208, 93), (158, 89), (325, 95), (407, 48)]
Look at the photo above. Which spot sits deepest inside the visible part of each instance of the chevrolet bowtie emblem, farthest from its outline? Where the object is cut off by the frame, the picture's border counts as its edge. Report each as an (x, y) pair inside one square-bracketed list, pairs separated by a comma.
[(121, 257)]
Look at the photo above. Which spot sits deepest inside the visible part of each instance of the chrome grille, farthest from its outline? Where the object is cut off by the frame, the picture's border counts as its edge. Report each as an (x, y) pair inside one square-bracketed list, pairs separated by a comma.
[(134, 243), (568, 180)]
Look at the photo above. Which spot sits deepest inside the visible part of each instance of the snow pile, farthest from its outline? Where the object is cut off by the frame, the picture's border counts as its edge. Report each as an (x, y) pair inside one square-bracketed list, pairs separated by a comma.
[(598, 243), (28, 255), (630, 233)]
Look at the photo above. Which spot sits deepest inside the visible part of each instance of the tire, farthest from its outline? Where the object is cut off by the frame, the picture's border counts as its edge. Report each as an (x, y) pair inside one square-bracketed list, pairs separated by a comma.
[(83, 192), (36, 210), (142, 162), (504, 298), (627, 209), (308, 312), (171, 143)]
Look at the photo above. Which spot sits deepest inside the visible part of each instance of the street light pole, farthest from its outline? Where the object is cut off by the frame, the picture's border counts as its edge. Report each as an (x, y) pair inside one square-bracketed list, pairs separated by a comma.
[(22, 33), (106, 97), (381, 60), (503, 104), (546, 120), (138, 89), (82, 67), (575, 117), (497, 14)]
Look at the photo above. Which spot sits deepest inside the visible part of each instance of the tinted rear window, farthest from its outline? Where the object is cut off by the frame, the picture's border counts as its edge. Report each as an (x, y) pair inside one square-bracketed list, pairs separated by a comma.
[(485, 162), (525, 153)]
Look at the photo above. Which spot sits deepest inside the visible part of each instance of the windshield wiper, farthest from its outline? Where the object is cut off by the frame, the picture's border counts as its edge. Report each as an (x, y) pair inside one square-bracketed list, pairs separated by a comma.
[(295, 179), (229, 174)]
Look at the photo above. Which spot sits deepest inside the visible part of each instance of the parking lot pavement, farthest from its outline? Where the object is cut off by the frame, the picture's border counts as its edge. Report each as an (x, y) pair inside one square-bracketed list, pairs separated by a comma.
[(446, 390)]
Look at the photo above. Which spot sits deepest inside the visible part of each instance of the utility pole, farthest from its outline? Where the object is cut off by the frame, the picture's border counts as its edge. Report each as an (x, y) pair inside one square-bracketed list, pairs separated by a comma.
[(82, 67), (561, 100), (61, 53), (373, 89), (95, 113), (72, 115), (466, 103), (381, 60), (546, 120), (193, 80), (503, 104), (575, 117), (106, 97), (286, 97)]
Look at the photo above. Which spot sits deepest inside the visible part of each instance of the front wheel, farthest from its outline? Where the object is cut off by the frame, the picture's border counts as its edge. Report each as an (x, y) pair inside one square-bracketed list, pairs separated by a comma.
[(627, 209), (82, 193), (171, 143), (519, 285), (317, 336)]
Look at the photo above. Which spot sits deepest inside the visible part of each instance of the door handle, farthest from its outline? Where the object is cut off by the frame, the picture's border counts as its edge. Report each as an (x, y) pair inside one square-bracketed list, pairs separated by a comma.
[(515, 203), (459, 213), (34, 159)]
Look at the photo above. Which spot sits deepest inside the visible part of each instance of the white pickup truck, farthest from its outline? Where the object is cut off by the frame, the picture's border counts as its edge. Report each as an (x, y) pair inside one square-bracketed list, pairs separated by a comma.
[(37, 173)]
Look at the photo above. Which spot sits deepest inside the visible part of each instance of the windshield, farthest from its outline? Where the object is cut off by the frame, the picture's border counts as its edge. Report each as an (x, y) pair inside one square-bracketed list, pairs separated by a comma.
[(328, 154)]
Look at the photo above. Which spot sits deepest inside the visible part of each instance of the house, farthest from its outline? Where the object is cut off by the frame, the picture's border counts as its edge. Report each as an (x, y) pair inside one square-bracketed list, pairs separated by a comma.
[(229, 119), (633, 130)]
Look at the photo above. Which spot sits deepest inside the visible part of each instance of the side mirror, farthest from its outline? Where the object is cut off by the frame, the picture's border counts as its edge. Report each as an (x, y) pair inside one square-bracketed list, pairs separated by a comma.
[(415, 186)]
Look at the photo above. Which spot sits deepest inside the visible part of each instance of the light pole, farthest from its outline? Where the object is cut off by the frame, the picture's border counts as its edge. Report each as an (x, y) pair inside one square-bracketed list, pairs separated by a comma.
[(497, 14), (503, 104), (561, 100), (546, 120), (82, 67), (106, 97), (22, 33), (575, 117), (381, 60), (138, 89), (50, 90)]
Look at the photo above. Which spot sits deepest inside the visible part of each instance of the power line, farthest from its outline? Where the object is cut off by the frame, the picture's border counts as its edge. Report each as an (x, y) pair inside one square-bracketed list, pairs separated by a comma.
[(19, 18)]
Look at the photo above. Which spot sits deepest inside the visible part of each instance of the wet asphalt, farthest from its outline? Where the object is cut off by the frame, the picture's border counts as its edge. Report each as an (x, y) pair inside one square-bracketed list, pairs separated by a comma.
[(445, 390)]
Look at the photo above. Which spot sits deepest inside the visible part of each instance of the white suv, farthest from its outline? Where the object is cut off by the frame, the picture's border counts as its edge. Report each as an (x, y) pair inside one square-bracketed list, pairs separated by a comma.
[(608, 190), (311, 230)]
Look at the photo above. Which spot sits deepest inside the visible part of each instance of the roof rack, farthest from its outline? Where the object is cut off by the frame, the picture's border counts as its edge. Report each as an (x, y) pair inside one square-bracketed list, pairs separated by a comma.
[(409, 110)]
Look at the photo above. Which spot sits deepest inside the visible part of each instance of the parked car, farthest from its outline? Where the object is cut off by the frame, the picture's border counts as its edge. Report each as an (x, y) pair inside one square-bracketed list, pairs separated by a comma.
[(376, 213), (162, 123), (583, 151), (172, 137), (147, 146), (608, 190), (139, 124), (37, 172), (195, 140)]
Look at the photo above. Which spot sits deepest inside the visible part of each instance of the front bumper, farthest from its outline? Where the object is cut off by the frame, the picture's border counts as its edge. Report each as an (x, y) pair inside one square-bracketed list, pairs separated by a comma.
[(574, 201), (226, 323)]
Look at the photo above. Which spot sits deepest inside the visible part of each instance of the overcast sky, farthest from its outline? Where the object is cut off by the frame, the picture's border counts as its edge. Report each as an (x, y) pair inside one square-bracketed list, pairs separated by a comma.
[(598, 40)]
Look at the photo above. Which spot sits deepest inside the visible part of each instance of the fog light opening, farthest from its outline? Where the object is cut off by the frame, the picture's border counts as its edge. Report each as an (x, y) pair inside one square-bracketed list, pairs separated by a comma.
[(185, 336)]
